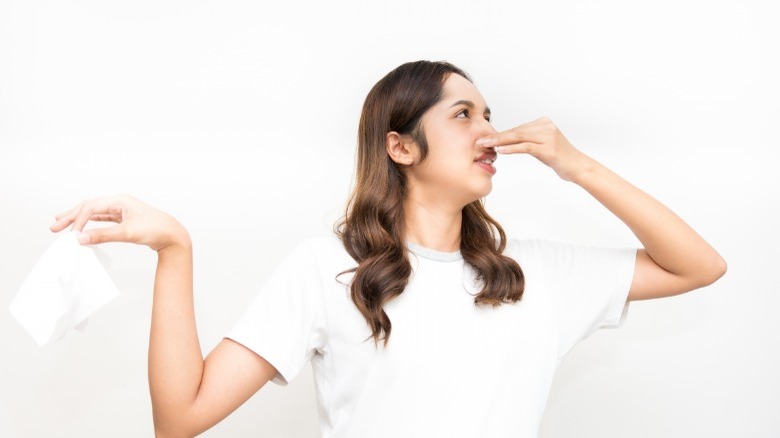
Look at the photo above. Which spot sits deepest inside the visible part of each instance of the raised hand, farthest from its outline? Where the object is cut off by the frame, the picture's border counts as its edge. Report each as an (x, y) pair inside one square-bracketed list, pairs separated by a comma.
[(543, 140), (675, 259), (136, 222)]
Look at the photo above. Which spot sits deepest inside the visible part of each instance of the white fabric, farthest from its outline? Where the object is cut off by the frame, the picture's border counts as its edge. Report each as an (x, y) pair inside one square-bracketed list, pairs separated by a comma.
[(66, 285), (450, 368)]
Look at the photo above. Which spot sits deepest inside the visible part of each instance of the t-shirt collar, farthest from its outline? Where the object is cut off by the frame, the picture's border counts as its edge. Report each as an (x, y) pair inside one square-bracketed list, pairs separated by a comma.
[(432, 254)]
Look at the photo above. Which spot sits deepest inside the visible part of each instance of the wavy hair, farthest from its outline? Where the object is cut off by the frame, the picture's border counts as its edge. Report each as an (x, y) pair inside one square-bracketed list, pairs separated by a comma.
[(372, 229)]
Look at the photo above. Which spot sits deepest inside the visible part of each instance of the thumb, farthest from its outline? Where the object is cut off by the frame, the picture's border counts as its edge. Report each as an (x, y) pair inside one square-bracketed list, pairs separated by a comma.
[(100, 235)]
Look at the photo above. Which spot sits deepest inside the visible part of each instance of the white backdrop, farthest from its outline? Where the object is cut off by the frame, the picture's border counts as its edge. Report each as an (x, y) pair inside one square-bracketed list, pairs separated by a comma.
[(239, 118)]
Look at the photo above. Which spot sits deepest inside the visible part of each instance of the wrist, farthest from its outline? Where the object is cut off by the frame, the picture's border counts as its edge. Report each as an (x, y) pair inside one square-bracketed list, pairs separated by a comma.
[(583, 171), (177, 239)]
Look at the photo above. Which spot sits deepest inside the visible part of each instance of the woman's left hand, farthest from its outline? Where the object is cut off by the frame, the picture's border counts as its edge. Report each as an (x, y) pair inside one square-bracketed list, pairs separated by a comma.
[(543, 140)]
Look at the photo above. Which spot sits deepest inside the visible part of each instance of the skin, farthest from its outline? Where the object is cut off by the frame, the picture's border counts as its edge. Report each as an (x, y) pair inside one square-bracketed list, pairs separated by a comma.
[(448, 179), (190, 394)]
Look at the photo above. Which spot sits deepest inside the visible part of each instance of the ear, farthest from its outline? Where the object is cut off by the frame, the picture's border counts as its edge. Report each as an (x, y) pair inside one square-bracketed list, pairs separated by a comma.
[(401, 148)]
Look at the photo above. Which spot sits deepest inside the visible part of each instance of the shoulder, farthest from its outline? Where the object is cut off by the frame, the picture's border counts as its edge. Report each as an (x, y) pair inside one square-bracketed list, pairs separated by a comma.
[(323, 246), (533, 249), (557, 257), (327, 251), (322, 243), (548, 248), (554, 254)]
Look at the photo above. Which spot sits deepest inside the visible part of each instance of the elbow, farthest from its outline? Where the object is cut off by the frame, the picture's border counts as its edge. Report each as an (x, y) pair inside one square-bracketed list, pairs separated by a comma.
[(173, 427), (713, 271), (161, 431), (168, 432), (722, 267)]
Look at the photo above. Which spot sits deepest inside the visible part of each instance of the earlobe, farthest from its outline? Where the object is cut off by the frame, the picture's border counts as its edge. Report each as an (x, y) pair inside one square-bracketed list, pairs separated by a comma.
[(399, 148)]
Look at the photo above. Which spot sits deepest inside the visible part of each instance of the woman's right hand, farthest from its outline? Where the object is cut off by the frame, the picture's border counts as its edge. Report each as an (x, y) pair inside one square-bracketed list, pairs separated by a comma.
[(136, 222)]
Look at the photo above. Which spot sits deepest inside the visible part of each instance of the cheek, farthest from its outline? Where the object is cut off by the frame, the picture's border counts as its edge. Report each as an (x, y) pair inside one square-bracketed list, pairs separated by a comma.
[(447, 155), (447, 143), (450, 149)]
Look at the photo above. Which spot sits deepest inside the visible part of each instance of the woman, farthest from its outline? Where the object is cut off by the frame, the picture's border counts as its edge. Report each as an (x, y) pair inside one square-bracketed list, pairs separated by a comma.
[(421, 318)]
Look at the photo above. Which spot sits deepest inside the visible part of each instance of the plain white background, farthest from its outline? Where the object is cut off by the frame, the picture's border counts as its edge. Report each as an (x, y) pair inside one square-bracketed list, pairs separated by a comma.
[(239, 118)]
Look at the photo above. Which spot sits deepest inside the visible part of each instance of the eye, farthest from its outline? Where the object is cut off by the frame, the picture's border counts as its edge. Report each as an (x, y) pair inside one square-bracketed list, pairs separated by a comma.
[(487, 117), (463, 114)]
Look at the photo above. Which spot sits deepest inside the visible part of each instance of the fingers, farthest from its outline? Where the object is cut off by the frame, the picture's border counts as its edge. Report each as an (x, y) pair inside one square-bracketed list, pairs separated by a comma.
[(61, 222), (102, 209), (106, 218), (512, 136), (137, 222), (98, 208), (58, 225), (64, 219), (517, 148), (102, 235), (521, 137)]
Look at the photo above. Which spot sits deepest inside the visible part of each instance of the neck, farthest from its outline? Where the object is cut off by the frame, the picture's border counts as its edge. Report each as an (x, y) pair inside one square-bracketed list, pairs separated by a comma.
[(433, 226)]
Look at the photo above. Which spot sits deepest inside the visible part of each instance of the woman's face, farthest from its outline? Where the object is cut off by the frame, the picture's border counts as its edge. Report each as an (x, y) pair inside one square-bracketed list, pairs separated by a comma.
[(456, 168)]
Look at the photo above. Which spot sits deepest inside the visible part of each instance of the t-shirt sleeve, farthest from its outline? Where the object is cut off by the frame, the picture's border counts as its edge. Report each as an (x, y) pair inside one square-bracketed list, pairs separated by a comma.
[(284, 324), (588, 287)]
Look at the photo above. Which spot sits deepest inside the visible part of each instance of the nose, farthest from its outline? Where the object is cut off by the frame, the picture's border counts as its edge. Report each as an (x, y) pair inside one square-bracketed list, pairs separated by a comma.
[(487, 128)]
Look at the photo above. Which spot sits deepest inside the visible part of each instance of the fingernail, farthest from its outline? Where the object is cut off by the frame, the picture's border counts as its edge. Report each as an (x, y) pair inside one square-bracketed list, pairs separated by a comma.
[(484, 141), (83, 238), (499, 149)]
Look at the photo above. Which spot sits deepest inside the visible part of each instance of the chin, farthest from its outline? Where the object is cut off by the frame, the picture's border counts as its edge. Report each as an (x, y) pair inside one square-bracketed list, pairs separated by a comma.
[(487, 189), (482, 192)]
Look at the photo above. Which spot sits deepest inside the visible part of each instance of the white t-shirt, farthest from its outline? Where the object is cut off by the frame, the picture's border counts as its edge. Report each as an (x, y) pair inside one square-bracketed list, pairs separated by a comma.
[(451, 368)]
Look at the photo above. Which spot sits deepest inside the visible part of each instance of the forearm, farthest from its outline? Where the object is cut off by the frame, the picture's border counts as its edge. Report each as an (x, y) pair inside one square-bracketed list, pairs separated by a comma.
[(675, 259), (188, 396), (175, 357), (669, 241)]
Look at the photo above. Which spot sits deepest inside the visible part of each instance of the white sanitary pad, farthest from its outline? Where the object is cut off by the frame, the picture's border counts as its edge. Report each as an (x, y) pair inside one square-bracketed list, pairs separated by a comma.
[(67, 285)]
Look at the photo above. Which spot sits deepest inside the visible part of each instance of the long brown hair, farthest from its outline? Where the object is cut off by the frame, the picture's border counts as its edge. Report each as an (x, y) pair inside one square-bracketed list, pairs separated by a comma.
[(372, 230)]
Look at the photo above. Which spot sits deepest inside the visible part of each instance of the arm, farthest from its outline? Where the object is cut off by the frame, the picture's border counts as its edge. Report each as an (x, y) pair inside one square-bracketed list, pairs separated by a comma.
[(675, 259), (189, 395)]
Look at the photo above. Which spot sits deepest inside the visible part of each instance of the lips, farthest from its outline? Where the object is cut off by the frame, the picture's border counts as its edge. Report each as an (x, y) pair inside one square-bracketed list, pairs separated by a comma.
[(486, 161), (487, 157)]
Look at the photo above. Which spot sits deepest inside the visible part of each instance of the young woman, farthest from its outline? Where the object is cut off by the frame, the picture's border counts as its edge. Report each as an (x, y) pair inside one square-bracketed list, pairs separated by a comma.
[(420, 318)]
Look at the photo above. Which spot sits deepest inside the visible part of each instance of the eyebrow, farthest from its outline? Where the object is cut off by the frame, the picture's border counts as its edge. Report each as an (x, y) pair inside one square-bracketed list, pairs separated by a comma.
[(469, 104)]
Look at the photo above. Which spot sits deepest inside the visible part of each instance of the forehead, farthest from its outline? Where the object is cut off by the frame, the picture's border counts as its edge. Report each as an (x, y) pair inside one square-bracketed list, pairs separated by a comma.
[(456, 88)]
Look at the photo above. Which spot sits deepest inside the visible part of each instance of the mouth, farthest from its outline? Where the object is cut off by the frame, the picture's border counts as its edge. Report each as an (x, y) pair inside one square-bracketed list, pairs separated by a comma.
[(486, 161), (487, 157)]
